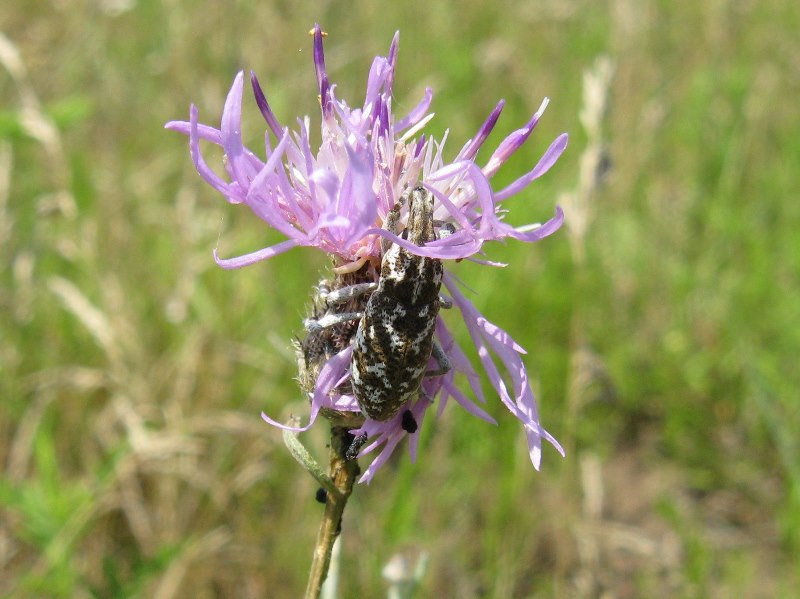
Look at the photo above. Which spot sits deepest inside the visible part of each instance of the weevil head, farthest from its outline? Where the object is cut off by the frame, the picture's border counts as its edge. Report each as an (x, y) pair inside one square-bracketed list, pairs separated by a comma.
[(419, 229)]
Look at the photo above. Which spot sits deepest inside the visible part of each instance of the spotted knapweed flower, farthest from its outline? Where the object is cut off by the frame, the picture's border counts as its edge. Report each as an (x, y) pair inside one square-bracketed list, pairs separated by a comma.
[(337, 198)]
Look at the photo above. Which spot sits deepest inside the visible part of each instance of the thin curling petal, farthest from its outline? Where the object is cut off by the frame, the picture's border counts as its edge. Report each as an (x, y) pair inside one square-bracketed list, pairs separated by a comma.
[(417, 113), (203, 132), (519, 399), (547, 160), (470, 150), (391, 58), (376, 80), (513, 142), (286, 427), (540, 231), (389, 435), (329, 377), (458, 359), (253, 257), (199, 162), (263, 106), (231, 132), (322, 74)]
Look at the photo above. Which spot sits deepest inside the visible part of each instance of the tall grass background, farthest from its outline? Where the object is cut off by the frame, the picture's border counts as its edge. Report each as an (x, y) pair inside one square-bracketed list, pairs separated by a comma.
[(662, 323)]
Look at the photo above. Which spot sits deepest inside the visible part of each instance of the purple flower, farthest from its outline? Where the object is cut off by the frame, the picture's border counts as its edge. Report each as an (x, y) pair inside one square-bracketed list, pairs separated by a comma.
[(336, 199)]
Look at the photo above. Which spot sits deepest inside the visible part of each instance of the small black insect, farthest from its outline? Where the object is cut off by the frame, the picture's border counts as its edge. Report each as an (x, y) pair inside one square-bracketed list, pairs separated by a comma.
[(355, 447)]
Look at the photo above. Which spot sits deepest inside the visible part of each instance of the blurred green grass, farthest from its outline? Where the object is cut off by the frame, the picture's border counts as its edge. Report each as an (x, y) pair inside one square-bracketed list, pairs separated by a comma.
[(133, 370)]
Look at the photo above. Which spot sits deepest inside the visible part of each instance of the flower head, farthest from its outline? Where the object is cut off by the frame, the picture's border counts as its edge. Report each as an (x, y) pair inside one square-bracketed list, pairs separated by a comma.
[(338, 197)]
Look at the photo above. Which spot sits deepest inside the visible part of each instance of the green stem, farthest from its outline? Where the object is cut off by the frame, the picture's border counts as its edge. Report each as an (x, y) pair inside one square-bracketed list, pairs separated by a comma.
[(342, 475)]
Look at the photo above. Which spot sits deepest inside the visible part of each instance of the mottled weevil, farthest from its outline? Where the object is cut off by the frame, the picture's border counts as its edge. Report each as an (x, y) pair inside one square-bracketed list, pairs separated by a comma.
[(394, 340)]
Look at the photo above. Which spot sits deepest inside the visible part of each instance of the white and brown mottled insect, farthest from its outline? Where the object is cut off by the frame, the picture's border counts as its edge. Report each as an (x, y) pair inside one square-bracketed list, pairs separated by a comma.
[(394, 340)]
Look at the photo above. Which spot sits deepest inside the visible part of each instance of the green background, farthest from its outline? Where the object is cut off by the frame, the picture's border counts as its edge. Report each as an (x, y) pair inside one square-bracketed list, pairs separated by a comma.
[(663, 343)]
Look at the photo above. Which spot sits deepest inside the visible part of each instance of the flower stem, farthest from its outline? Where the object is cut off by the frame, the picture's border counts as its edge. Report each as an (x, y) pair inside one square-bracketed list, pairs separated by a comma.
[(300, 453), (342, 473)]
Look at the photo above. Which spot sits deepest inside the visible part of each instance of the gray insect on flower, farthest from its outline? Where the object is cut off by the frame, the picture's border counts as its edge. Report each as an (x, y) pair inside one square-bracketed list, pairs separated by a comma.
[(378, 197)]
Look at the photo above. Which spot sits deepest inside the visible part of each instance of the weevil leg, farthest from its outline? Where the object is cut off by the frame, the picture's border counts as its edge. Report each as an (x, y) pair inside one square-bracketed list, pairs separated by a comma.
[(441, 359), (445, 302), (329, 320), (445, 228), (327, 298)]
